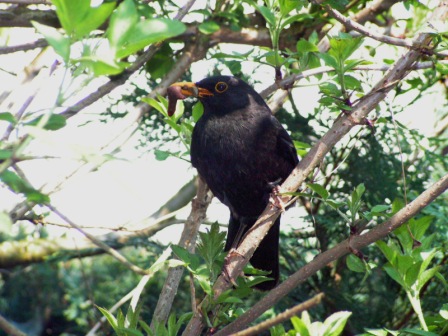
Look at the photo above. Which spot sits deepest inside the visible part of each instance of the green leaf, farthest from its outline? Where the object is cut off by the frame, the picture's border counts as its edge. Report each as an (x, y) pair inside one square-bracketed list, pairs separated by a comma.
[(161, 62), (55, 122), (388, 251), (305, 46), (296, 18), (158, 105), (204, 282), (418, 332), (101, 66), (426, 276), (419, 226), (412, 273), (392, 272), (147, 32), (318, 189), (211, 244), (128, 34), (268, 15), (77, 17), (350, 64), (5, 154), (380, 208), (342, 47), (355, 264), (110, 318), (93, 18), (121, 23), (208, 27), (377, 332), (334, 325), (287, 6), (351, 83), (15, 182), (59, 42), (5, 223), (6, 116), (334, 204), (197, 111), (132, 316), (329, 60), (330, 89), (299, 326), (444, 311), (182, 253)]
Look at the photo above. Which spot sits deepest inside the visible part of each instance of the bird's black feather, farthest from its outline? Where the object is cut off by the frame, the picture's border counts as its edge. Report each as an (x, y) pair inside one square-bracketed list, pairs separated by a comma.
[(241, 149)]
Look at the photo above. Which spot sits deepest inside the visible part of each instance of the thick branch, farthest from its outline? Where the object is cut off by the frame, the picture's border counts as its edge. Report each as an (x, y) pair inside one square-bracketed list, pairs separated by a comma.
[(178, 201), (21, 253), (188, 241), (343, 248)]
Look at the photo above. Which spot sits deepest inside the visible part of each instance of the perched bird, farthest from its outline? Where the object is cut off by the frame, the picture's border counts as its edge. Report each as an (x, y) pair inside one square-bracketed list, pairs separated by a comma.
[(242, 151)]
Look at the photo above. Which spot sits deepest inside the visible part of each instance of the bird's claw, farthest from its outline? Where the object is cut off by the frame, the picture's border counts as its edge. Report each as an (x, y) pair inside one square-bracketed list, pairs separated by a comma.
[(225, 270), (275, 198)]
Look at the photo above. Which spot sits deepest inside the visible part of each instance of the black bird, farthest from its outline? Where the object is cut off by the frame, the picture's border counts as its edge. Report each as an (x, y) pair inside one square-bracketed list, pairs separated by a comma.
[(242, 151)]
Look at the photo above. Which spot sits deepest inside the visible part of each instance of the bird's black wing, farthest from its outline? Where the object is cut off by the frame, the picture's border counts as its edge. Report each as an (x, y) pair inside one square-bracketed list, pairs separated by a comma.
[(285, 146)]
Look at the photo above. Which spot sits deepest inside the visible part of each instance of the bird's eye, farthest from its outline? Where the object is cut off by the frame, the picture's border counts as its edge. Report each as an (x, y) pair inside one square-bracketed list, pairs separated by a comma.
[(220, 87)]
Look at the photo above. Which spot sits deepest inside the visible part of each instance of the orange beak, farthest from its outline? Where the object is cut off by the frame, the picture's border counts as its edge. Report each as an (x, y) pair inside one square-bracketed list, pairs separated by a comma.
[(189, 89)]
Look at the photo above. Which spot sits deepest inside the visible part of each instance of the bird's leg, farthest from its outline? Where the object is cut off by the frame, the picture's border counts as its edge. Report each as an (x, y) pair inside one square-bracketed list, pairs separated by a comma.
[(274, 196), (232, 252)]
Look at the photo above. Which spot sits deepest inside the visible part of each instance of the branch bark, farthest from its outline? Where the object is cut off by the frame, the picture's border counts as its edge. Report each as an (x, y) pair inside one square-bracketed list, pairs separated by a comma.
[(188, 241), (282, 317), (9, 328)]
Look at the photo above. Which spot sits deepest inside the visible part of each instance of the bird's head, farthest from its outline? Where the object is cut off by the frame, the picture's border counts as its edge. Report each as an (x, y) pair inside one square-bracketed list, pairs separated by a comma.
[(218, 94)]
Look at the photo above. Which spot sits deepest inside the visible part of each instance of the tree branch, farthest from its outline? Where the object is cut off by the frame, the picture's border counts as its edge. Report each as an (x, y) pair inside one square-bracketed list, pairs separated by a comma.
[(24, 47), (282, 317), (188, 240), (290, 80), (100, 244), (9, 328), (322, 260), (351, 24)]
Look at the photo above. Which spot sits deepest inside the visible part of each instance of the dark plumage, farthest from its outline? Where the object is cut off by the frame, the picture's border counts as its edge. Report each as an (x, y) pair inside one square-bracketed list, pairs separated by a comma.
[(241, 150)]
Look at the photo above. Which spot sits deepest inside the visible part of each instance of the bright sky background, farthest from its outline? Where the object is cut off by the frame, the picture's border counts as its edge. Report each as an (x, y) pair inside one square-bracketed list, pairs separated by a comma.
[(130, 189)]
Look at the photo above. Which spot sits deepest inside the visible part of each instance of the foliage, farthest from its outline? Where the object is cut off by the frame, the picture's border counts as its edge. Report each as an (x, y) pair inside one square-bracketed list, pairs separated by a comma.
[(396, 287)]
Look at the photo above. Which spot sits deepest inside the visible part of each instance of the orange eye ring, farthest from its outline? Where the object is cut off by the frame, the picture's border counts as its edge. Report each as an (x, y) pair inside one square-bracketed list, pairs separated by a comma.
[(221, 87)]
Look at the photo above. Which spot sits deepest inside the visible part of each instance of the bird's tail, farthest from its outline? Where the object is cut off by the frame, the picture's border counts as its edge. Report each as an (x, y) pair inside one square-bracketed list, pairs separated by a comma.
[(265, 256)]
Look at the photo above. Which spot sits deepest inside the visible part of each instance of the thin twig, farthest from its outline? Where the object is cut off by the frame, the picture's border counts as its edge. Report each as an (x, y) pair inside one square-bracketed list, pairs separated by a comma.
[(24, 47), (100, 244), (7, 327), (282, 317), (290, 80), (366, 32)]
